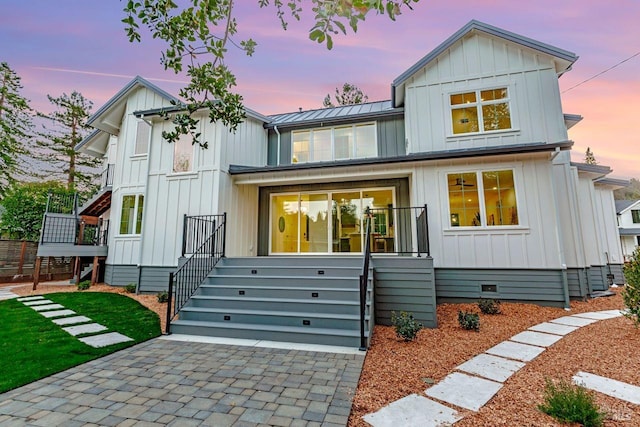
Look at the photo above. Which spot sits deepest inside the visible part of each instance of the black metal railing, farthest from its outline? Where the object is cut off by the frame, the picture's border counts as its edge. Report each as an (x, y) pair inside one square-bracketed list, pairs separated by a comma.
[(94, 234), (188, 278), (196, 229), (74, 231), (364, 280), (62, 203), (106, 179), (388, 224)]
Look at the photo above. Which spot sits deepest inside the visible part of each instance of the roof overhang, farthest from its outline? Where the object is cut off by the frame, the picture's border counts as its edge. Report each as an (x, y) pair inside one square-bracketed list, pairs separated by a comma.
[(594, 172), (179, 108), (95, 144), (612, 183), (563, 59), (570, 120)]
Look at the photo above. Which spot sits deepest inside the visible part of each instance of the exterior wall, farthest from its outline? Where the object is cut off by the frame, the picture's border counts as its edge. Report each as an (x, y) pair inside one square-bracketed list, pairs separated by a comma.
[(606, 208), (120, 275), (591, 221), (481, 62), (618, 274), (154, 279), (625, 220), (578, 283), (597, 275), (629, 244)]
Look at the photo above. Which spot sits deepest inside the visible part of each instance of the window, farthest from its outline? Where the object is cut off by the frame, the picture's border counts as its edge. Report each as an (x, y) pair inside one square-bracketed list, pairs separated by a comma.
[(143, 132), (480, 111), (635, 216), (482, 199), (338, 143), (131, 214), (183, 154)]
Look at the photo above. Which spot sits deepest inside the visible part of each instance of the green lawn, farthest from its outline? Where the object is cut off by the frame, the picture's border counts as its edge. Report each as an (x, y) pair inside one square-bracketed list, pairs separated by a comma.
[(33, 347)]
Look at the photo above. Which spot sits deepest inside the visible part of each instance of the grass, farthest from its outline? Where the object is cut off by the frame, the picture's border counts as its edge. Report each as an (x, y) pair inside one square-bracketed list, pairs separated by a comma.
[(33, 347)]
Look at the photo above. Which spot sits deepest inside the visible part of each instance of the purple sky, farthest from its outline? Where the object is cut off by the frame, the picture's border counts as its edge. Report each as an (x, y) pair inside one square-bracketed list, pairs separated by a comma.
[(65, 45)]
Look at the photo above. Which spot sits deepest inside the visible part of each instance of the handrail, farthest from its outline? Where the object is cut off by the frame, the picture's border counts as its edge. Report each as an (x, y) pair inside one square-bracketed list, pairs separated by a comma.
[(364, 279), (184, 282), (390, 227)]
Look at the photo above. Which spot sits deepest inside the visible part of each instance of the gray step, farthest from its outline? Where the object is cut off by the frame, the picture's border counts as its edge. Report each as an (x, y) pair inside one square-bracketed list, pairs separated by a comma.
[(337, 337), (297, 261), (281, 318), (287, 281), (278, 270), (276, 304), (303, 292)]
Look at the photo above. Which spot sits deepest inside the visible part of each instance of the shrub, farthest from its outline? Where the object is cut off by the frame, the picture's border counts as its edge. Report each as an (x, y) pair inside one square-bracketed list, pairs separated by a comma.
[(130, 288), (162, 297), (571, 403), (469, 320), (631, 291), (84, 285), (489, 306), (406, 326)]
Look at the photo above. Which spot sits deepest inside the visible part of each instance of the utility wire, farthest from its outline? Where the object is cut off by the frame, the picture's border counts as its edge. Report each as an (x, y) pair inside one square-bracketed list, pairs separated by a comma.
[(602, 72)]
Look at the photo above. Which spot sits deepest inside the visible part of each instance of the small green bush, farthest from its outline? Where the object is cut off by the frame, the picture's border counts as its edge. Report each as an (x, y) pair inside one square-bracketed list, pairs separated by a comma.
[(631, 291), (570, 403), (162, 297), (84, 285), (130, 288), (469, 320), (406, 326), (489, 306)]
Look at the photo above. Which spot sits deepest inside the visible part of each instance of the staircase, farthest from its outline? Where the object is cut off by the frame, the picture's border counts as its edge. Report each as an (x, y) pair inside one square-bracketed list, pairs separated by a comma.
[(293, 299)]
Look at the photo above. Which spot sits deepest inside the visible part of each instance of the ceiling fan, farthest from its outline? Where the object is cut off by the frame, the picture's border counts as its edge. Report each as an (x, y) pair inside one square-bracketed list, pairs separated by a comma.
[(461, 182)]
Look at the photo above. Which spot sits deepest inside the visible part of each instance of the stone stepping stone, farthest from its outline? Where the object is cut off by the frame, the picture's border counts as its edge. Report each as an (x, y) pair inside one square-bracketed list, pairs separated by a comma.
[(413, 411), (492, 367), (573, 321), (515, 350), (37, 302), (536, 338), (30, 298), (71, 320), (600, 315), (5, 295), (57, 313), (89, 328), (464, 391), (618, 389), (104, 340), (553, 328), (47, 307)]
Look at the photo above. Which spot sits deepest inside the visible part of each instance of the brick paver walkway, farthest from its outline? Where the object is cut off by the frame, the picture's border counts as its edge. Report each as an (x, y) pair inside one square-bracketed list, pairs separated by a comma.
[(163, 382)]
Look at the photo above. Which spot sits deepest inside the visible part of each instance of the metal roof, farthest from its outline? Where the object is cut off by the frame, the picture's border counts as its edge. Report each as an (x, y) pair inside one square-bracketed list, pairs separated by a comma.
[(367, 110), (585, 167), (623, 205), (613, 182)]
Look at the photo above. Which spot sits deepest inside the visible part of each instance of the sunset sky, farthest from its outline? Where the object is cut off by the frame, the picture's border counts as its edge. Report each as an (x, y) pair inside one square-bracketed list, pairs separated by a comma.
[(65, 45)]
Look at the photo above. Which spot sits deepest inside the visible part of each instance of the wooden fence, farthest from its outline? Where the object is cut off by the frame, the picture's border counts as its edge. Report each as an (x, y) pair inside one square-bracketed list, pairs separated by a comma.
[(17, 260)]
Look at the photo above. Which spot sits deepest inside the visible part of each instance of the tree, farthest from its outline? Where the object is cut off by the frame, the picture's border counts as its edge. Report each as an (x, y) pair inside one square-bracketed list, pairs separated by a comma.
[(350, 95), (204, 29), (15, 125), (631, 192), (24, 205), (68, 127), (589, 158)]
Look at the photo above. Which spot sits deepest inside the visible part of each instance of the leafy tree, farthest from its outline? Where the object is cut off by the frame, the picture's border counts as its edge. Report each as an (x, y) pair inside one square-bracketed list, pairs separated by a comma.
[(15, 125), (631, 192), (589, 158), (24, 205), (349, 95), (68, 127), (198, 33)]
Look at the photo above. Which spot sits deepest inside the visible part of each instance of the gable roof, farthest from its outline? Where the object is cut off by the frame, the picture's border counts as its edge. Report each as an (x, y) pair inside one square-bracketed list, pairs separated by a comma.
[(567, 58), (624, 205)]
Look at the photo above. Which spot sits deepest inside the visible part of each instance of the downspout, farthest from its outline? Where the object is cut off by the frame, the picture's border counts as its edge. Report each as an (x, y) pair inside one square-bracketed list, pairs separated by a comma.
[(145, 211), (275, 128)]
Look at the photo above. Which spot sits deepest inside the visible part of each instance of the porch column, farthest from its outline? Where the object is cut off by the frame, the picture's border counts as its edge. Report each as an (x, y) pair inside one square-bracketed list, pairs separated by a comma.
[(36, 273)]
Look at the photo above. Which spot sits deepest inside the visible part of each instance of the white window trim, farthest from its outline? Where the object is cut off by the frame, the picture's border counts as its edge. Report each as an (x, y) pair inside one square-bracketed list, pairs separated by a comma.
[(135, 155), (512, 112), (135, 215), (333, 150)]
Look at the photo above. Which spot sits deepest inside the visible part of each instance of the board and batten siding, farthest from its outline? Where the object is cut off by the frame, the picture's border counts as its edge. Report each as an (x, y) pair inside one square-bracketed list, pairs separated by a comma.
[(404, 284), (591, 221), (606, 207), (483, 62)]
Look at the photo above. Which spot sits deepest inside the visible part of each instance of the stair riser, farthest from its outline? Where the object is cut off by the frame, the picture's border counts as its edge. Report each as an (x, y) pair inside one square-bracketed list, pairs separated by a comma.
[(324, 323), (288, 271), (281, 293), (297, 307), (294, 282), (266, 335), (299, 261)]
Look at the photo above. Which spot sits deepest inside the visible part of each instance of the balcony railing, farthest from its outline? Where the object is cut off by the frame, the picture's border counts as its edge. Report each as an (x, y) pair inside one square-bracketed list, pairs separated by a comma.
[(383, 237), (73, 231), (106, 179)]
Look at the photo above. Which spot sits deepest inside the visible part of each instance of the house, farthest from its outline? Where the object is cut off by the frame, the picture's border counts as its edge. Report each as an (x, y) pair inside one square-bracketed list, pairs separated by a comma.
[(628, 215), (461, 186)]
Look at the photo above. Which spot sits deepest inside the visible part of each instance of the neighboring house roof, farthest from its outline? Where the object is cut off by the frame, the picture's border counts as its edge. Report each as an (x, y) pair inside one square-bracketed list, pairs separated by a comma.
[(566, 58), (182, 107), (629, 231), (335, 115), (433, 155), (624, 205)]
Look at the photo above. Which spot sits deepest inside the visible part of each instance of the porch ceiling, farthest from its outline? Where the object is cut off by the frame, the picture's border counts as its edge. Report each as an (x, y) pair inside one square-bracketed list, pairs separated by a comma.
[(98, 205)]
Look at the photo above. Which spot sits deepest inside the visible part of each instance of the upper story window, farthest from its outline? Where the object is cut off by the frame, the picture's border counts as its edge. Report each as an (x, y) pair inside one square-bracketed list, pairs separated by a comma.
[(143, 132), (183, 154), (482, 199), (334, 143), (635, 216), (480, 111), (131, 214)]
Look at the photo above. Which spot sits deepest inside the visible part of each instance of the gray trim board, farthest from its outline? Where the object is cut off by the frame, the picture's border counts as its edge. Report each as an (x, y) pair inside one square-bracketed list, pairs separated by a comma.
[(629, 231)]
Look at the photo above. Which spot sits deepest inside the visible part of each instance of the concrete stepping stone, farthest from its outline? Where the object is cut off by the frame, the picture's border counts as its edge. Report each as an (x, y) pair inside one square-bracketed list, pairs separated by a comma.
[(89, 328), (618, 389), (104, 340), (47, 307), (57, 313), (71, 320), (573, 321), (600, 315), (515, 350), (492, 367), (5, 295), (413, 411), (30, 298), (553, 328), (536, 338), (37, 302), (464, 391)]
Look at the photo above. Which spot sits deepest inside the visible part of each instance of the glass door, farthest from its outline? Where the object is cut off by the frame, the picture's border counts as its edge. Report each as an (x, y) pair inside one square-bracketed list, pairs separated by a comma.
[(284, 223), (346, 212), (314, 223)]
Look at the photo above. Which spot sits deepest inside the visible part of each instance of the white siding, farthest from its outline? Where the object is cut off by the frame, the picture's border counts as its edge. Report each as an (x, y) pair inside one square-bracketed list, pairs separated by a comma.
[(605, 205), (626, 220), (592, 225)]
